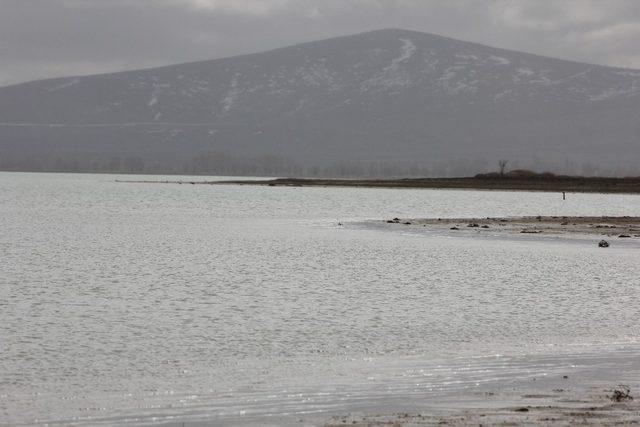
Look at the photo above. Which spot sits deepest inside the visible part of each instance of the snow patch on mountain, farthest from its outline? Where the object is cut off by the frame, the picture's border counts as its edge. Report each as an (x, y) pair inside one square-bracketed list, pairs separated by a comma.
[(64, 85), (523, 71), (499, 60), (633, 90), (407, 50), (454, 81), (396, 74), (465, 57), (317, 74), (230, 100)]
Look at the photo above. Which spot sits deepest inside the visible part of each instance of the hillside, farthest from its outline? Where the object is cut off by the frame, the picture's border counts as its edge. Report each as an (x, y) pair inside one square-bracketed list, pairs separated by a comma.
[(388, 102)]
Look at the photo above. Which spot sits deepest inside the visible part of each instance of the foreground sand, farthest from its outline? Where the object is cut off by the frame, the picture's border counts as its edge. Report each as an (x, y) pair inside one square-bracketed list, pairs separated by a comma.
[(612, 227), (560, 406)]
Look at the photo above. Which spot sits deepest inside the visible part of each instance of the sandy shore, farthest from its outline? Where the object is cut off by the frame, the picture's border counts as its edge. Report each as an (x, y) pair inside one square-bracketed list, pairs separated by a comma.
[(611, 227), (560, 406)]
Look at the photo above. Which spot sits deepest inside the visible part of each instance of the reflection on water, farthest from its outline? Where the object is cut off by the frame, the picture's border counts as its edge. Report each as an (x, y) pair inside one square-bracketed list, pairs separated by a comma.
[(120, 301)]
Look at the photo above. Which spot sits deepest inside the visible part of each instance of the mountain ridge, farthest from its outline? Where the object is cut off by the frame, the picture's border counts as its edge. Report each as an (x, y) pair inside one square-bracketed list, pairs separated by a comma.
[(381, 30), (392, 96)]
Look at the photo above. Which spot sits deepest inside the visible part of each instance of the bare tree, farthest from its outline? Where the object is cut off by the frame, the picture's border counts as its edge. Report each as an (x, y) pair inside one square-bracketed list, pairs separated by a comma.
[(502, 164)]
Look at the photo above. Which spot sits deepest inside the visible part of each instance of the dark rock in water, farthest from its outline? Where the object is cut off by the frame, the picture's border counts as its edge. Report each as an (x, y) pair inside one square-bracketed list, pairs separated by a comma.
[(396, 219), (624, 235), (530, 231), (621, 393), (454, 228), (485, 226), (407, 223), (473, 224), (522, 410), (390, 221), (603, 244)]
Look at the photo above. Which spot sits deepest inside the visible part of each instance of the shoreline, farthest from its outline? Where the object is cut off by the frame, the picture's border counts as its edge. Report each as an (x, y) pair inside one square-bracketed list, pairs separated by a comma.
[(600, 389), (596, 405), (626, 227), (566, 184)]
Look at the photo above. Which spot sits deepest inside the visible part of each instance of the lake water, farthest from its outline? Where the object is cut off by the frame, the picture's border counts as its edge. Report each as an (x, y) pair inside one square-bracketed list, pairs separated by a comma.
[(159, 303)]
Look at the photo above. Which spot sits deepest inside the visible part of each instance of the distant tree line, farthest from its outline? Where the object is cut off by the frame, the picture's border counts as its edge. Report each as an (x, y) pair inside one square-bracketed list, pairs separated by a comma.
[(216, 163), (225, 163)]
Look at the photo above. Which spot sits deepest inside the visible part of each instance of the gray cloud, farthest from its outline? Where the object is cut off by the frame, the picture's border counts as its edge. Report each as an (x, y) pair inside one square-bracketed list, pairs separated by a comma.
[(50, 38)]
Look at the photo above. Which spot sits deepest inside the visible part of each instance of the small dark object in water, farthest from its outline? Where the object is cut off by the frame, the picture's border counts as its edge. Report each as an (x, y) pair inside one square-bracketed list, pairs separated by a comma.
[(454, 228), (621, 393), (603, 244), (624, 235), (530, 231), (472, 224), (407, 223), (539, 218), (485, 226), (522, 410), (390, 221), (396, 219), (565, 377), (272, 184), (564, 223)]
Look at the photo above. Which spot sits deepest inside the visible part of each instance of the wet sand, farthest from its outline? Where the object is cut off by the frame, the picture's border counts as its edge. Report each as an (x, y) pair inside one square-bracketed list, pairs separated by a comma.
[(606, 393), (559, 407), (611, 227)]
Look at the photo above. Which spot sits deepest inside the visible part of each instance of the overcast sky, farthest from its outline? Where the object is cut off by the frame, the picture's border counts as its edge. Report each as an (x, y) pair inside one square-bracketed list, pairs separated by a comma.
[(51, 38)]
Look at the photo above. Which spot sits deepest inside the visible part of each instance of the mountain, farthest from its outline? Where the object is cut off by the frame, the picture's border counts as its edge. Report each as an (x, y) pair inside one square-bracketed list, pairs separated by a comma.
[(387, 102)]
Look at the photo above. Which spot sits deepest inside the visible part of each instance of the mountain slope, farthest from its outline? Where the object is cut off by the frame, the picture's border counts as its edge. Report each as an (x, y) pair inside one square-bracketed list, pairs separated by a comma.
[(404, 98)]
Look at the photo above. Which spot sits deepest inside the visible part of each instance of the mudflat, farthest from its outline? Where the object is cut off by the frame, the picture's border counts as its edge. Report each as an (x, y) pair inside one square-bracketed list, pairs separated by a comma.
[(598, 407), (537, 182), (620, 227)]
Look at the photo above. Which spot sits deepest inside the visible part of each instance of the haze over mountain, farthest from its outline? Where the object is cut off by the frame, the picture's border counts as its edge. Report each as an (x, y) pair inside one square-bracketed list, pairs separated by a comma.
[(387, 102)]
